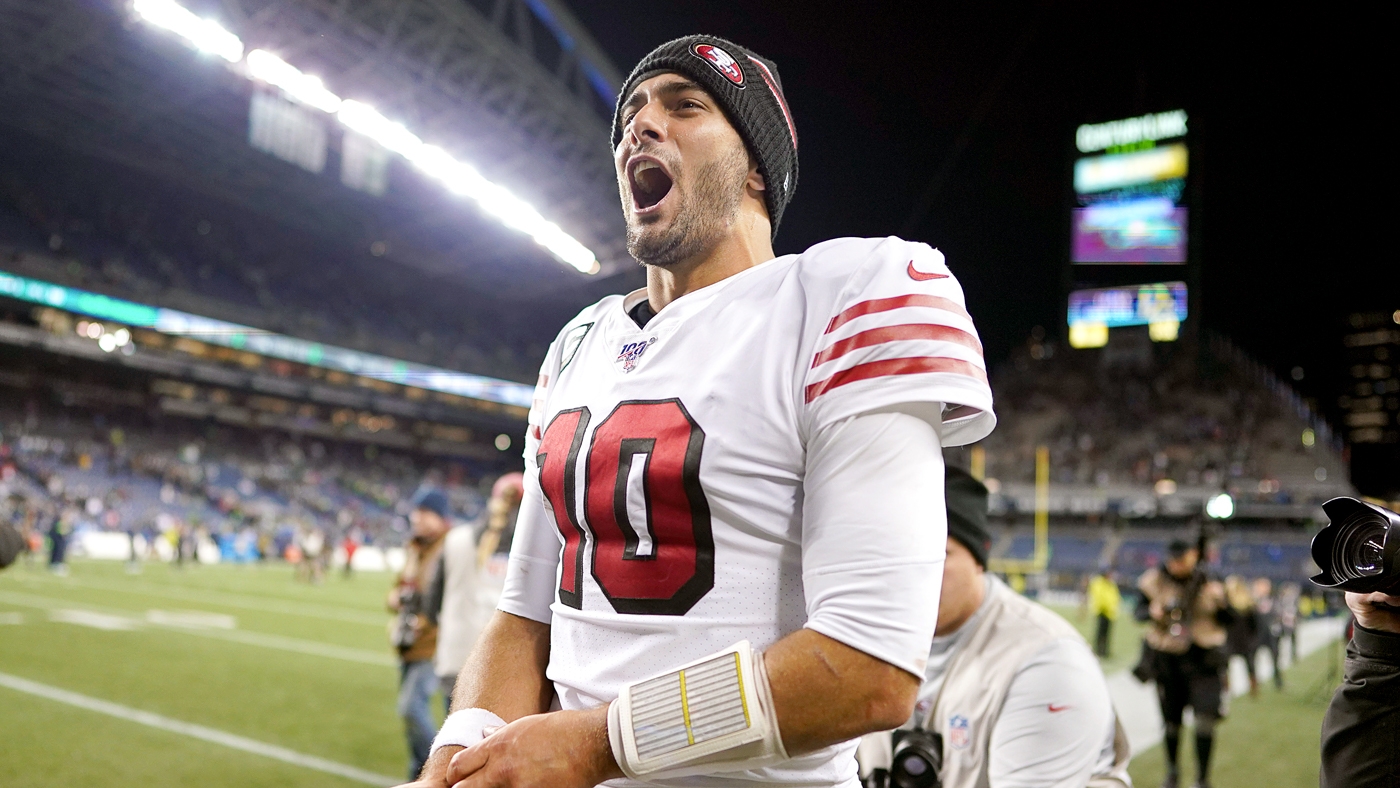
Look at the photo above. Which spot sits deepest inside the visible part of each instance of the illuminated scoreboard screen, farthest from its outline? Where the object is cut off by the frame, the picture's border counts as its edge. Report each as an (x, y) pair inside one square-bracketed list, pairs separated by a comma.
[(1160, 306), (1129, 191)]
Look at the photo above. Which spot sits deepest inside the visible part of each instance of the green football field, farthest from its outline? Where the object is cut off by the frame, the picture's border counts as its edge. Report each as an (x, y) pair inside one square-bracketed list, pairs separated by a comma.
[(1269, 741), (239, 676)]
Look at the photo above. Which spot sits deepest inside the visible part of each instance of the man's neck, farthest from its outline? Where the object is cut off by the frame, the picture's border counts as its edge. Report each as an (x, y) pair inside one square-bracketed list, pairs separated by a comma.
[(749, 243), (966, 606)]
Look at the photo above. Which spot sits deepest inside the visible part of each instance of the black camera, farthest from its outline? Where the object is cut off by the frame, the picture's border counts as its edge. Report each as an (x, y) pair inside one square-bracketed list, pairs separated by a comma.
[(405, 629), (1359, 550), (918, 757)]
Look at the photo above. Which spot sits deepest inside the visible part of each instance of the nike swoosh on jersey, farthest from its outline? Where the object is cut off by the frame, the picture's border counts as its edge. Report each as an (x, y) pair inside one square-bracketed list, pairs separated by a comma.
[(1056, 709), (920, 276)]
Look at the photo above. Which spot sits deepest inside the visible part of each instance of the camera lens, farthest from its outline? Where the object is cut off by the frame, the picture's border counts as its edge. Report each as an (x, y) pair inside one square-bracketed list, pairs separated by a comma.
[(1360, 547), (917, 755), (914, 766)]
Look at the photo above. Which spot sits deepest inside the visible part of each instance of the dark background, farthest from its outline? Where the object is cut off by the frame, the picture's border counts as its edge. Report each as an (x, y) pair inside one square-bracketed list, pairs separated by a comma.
[(953, 124)]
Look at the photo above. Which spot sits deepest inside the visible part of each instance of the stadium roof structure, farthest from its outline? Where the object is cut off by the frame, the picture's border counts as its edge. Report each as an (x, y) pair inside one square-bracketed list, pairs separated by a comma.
[(515, 88)]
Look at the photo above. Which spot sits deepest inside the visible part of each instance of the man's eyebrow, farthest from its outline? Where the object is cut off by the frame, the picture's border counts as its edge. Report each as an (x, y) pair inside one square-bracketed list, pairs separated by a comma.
[(665, 89)]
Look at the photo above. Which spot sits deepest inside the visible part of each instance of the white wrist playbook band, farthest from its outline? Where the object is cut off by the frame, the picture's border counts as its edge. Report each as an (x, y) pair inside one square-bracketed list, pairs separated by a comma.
[(713, 715), (463, 728)]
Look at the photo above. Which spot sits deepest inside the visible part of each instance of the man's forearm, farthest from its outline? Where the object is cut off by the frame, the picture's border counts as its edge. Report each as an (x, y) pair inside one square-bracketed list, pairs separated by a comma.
[(826, 692), (505, 673)]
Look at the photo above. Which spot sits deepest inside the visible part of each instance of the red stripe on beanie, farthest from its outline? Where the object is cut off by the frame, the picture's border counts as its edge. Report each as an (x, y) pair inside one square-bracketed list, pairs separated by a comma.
[(778, 94)]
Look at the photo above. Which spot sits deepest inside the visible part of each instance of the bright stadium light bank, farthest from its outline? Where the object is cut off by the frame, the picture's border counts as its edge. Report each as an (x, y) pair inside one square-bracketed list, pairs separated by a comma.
[(459, 177)]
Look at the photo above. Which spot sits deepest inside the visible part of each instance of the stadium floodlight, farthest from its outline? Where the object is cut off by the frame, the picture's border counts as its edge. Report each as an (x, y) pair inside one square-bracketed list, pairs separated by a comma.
[(298, 86), (459, 177), (1220, 507), (205, 35), (366, 120)]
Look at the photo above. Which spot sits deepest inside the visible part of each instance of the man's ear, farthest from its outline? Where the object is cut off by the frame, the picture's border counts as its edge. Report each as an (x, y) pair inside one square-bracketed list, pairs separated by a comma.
[(755, 180)]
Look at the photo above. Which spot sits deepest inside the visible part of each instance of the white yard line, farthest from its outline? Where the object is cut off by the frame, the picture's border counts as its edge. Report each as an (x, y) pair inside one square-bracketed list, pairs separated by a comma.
[(65, 610), (230, 599), (1136, 703), (194, 731)]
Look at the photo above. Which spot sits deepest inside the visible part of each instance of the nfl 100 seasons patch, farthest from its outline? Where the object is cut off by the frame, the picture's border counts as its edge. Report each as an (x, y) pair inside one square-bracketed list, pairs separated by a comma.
[(632, 352)]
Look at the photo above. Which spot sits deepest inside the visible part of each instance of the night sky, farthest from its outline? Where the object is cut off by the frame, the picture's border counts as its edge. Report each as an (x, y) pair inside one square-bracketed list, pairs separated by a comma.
[(970, 109)]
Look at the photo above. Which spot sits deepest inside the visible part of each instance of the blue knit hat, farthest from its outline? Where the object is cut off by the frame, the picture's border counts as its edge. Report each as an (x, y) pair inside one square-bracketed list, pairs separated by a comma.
[(435, 502)]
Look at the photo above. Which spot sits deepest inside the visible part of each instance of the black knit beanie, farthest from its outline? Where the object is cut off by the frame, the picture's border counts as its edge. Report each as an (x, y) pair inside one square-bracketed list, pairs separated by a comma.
[(966, 499), (748, 89)]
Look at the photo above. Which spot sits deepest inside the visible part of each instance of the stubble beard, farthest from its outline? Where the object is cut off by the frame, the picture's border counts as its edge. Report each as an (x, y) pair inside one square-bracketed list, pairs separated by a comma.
[(707, 210)]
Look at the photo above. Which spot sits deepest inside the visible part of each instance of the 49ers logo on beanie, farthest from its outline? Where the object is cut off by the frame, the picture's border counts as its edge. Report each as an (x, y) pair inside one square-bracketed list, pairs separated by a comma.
[(720, 61)]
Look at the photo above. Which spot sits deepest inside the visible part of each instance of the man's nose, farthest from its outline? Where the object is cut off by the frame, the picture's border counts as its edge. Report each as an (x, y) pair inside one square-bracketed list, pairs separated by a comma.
[(649, 124)]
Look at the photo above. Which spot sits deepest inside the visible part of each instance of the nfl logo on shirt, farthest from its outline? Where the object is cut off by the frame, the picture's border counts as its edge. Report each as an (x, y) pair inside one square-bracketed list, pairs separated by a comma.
[(959, 732), (633, 351)]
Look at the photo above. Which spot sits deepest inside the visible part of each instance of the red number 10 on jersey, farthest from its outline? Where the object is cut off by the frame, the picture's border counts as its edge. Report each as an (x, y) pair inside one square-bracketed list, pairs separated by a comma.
[(646, 524)]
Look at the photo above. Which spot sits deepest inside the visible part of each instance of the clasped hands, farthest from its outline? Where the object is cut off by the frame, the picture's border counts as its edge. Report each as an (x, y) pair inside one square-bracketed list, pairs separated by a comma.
[(560, 749)]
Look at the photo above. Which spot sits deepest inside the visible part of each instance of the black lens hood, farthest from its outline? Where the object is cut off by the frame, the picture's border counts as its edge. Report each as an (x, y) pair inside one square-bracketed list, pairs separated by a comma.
[(1343, 515)]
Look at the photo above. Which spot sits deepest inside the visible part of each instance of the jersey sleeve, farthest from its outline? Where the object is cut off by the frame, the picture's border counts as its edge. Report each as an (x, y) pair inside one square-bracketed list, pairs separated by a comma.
[(532, 570), (873, 536), (897, 333)]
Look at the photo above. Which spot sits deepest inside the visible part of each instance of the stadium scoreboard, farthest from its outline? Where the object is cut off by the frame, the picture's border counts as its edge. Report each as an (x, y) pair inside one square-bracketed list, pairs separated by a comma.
[(1130, 213), (1160, 306), (1128, 191)]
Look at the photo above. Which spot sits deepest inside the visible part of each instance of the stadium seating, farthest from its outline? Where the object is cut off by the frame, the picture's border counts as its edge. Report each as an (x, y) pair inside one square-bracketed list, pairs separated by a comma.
[(130, 476), (1139, 441)]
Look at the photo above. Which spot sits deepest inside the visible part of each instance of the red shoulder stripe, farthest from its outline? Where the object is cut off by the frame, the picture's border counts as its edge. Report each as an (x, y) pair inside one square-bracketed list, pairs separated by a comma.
[(883, 334), (895, 366), (897, 302)]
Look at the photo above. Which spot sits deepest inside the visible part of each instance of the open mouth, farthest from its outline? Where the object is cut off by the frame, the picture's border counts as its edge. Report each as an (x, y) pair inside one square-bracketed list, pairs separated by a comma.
[(650, 183)]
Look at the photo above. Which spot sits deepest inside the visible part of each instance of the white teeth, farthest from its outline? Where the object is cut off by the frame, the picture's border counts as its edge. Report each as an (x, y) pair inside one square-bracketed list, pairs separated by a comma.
[(643, 166)]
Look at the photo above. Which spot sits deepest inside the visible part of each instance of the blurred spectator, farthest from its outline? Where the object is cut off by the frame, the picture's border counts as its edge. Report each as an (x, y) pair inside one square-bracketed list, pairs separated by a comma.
[(1288, 615), (451, 606), (59, 531), (1242, 635), (1104, 603), (350, 544), (414, 633), (312, 542), (501, 511), (1185, 652), (1270, 625)]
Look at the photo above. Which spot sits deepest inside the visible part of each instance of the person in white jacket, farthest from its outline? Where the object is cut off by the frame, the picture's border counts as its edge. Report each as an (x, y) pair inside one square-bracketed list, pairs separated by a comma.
[(1012, 695)]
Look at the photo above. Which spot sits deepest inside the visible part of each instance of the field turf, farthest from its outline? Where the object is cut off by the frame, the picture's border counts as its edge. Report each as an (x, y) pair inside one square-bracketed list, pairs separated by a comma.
[(305, 667), (247, 651)]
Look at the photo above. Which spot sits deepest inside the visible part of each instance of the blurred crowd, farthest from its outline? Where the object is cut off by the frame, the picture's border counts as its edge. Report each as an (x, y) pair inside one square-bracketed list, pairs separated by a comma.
[(186, 488), (1152, 416)]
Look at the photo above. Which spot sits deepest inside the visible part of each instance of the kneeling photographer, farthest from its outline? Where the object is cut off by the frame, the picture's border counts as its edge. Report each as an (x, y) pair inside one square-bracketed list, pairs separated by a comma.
[(1184, 650), (1012, 694), (1359, 552)]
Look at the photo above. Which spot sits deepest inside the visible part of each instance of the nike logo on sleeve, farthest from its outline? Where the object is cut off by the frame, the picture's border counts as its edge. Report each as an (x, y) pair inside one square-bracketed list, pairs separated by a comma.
[(1057, 709), (920, 276)]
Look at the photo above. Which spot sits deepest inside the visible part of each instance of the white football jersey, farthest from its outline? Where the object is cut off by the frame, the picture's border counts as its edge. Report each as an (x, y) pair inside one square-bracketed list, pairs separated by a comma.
[(663, 515)]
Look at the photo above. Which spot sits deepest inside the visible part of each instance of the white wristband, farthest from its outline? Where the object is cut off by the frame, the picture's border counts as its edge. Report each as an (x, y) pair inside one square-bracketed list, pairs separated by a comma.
[(464, 728), (713, 715)]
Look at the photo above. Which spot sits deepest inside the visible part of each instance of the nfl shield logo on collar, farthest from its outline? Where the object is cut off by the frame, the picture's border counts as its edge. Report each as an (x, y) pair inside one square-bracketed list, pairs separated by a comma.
[(632, 351)]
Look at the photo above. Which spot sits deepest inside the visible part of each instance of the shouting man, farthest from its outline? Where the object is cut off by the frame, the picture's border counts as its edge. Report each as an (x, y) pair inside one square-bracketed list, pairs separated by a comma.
[(726, 564)]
